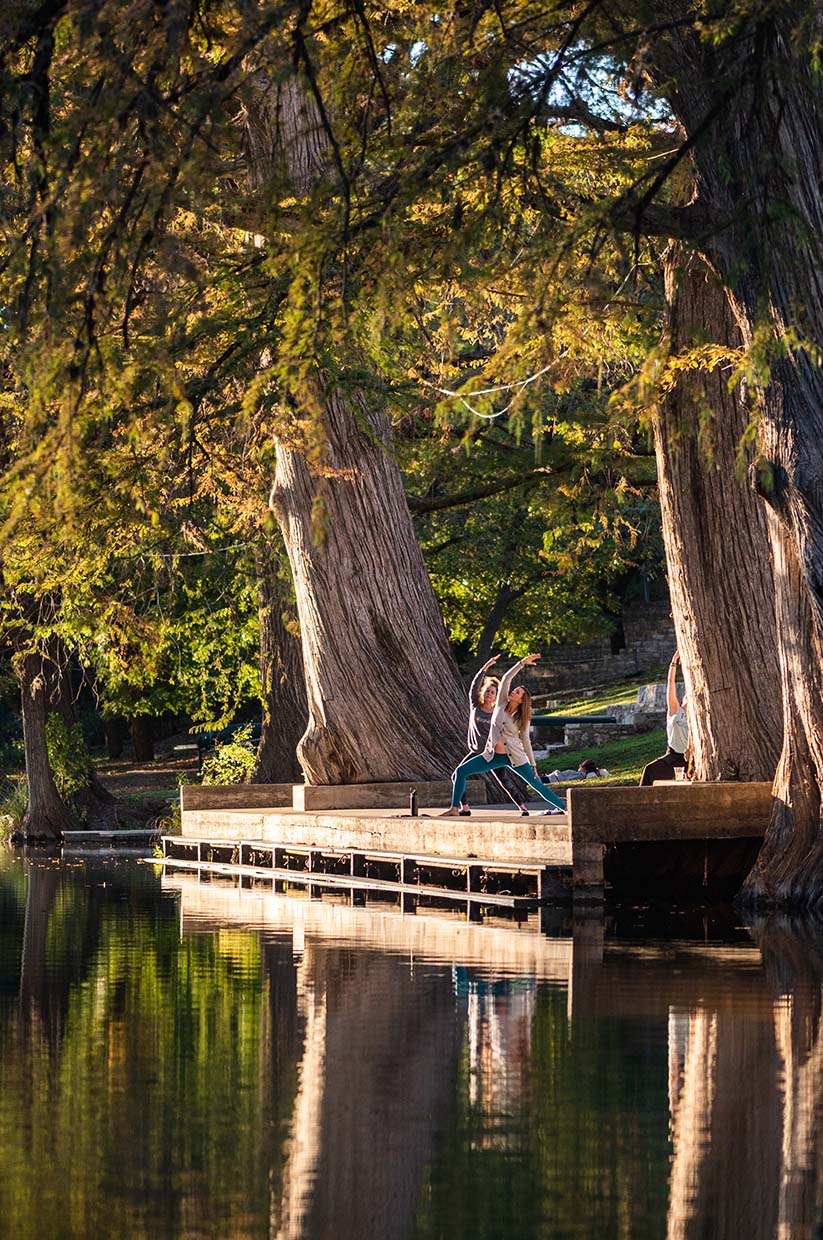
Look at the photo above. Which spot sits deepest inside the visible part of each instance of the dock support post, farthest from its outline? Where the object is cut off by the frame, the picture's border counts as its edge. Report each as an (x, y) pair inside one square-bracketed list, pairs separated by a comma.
[(587, 873)]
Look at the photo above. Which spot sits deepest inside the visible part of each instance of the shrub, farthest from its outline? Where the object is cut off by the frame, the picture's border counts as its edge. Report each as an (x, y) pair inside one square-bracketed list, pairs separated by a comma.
[(68, 757), (14, 801), (232, 761)]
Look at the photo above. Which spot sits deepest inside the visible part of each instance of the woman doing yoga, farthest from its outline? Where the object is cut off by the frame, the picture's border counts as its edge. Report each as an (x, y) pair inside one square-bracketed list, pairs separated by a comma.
[(508, 744), (482, 701)]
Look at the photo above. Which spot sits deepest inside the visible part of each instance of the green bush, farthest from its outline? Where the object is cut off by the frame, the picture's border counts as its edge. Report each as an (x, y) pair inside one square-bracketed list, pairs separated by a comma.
[(232, 761), (14, 801), (68, 757)]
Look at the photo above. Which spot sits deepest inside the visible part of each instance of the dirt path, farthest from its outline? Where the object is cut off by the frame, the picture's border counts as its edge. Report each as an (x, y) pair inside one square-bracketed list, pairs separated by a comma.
[(144, 792)]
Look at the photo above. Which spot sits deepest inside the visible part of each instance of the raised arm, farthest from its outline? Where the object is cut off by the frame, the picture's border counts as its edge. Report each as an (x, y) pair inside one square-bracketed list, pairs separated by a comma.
[(475, 684), (507, 677), (672, 700)]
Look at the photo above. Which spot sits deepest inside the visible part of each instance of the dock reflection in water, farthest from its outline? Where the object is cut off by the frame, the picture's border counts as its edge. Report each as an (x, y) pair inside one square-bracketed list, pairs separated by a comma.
[(188, 1058)]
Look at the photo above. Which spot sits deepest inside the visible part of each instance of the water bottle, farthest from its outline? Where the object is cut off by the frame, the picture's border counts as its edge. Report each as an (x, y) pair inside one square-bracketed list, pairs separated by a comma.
[(412, 803)]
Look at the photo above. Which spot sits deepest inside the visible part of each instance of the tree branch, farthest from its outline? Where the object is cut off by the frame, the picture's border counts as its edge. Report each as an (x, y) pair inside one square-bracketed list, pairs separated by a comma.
[(690, 223), (424, 504)]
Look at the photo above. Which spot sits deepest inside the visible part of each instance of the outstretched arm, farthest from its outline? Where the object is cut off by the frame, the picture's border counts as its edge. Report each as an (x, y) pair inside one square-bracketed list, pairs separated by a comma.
[(502, 696), (475, 684), (507, 677), (672, 700)]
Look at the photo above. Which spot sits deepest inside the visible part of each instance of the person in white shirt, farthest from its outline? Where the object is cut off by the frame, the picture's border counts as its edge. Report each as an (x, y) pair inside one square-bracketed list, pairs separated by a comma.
[(677, 733)]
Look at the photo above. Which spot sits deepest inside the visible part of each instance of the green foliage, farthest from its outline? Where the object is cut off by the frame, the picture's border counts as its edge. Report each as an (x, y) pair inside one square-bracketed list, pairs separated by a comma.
[(233, 759), (68, 757), (435, 251), (14, 801)]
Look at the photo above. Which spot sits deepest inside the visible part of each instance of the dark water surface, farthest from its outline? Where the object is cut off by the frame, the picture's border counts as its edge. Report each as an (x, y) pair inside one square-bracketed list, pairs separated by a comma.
[(188, 1059)]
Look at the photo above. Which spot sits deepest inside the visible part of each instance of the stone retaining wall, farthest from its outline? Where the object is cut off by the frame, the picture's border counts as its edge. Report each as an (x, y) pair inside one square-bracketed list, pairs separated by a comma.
[(650, 641)]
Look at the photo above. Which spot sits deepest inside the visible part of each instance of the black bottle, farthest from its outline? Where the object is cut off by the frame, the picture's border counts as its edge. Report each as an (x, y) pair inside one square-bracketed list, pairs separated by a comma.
[(413, 803)]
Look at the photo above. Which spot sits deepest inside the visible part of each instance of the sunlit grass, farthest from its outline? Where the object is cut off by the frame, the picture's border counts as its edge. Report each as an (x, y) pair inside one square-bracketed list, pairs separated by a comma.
[(623, 693), (624, 757)]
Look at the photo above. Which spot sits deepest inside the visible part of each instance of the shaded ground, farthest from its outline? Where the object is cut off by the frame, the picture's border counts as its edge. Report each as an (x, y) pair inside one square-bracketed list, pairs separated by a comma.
[(144, 792)]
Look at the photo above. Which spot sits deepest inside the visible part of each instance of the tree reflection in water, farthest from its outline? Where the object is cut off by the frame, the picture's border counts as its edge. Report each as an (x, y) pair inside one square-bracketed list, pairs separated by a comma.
[(746, 1098), (330, 1073)]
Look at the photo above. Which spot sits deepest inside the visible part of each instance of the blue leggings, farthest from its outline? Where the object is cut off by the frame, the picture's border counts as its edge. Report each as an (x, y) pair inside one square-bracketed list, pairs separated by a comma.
[(478, 765)]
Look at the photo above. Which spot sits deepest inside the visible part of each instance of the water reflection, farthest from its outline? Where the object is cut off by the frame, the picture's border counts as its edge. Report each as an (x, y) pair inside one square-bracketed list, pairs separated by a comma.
[(182, 1058)]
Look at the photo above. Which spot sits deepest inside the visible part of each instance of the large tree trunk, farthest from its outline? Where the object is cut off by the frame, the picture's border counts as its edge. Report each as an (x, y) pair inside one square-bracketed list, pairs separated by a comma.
[(46, 817), (488, 634), (142, 738), (717, 545), (758, 155), (384, 697), (281, 673), (94, 804)]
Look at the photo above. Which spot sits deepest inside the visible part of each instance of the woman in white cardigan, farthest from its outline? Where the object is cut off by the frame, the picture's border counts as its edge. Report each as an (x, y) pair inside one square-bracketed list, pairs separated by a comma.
[(508, 743)]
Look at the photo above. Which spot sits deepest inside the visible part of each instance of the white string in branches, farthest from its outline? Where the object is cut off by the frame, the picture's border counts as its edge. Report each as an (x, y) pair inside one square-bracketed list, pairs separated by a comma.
[(502, 387)]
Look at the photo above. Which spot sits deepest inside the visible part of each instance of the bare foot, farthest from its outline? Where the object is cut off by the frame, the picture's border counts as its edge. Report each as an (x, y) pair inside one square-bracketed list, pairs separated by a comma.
[(452, 812)]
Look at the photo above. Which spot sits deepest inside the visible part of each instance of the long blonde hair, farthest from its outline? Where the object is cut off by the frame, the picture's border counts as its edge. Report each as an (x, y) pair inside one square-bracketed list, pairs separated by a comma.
[(488, 682), (523, 715)]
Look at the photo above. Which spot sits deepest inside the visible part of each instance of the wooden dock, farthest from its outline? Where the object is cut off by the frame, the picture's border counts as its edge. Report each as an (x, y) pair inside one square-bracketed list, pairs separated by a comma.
[(493, 857)]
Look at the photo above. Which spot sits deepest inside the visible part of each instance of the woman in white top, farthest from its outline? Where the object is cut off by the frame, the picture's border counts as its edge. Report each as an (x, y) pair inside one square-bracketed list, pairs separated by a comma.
[(677, 733), (508, 743)]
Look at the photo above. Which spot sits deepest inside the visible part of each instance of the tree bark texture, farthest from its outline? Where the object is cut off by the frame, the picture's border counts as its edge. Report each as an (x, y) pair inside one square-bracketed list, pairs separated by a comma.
[(717, 545), (281, 673), (385, 700), (46, 817), (751, 104), (142, 738)]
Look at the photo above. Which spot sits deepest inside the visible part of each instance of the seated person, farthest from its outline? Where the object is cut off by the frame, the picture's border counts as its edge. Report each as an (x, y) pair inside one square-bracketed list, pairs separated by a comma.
[(587, 769), (677, 734)]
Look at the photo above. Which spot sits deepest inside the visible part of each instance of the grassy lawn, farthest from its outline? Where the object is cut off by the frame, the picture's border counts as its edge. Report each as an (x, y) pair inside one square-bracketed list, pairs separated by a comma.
[(624, 758), (621, 694)]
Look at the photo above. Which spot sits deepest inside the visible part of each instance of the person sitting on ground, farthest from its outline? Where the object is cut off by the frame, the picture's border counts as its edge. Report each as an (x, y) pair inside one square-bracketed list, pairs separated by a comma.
[(588, 769), (508, 745), (482, 700), (677, 733)]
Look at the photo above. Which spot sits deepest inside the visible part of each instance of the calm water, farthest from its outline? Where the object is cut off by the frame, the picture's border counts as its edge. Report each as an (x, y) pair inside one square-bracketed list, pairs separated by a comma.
[(185, 1059)]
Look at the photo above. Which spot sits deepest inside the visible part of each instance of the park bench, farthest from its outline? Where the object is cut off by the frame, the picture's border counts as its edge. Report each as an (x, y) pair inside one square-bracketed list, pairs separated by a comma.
[(205, 741)]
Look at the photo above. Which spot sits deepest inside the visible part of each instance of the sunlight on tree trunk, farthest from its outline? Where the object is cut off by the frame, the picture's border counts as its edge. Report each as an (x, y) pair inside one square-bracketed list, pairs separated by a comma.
[(717, 545), (384, 697), (281, 674), (757, 152)]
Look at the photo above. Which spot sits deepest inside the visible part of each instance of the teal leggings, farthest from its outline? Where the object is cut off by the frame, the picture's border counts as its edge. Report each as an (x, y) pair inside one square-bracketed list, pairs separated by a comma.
[(479, 764)]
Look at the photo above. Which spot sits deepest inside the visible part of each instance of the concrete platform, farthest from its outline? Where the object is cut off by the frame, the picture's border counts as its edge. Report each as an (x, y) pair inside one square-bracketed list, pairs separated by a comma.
[(235, 796), (678, 812), (490, 832), (430, 793), (316, 797)]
